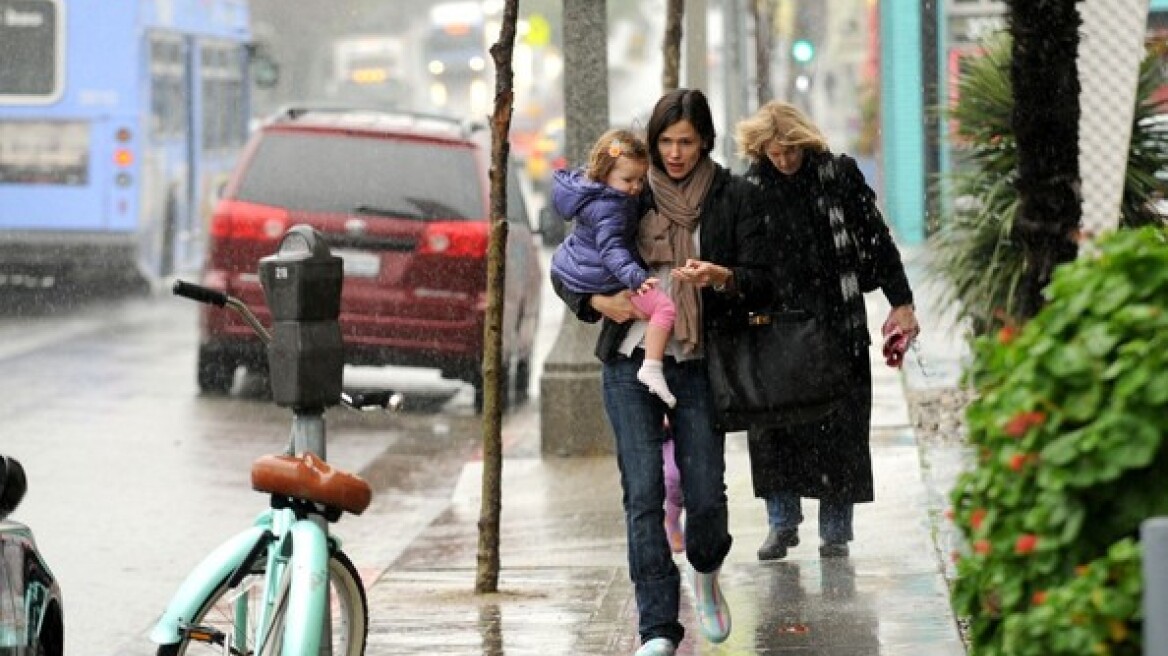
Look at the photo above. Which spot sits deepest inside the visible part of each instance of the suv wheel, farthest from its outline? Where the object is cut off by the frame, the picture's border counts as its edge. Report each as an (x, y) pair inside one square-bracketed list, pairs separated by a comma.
[(215, 373), (522, 379)]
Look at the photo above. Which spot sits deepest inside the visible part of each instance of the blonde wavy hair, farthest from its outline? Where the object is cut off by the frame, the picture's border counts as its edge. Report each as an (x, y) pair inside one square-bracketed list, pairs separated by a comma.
[(610, 147), (779, 122)]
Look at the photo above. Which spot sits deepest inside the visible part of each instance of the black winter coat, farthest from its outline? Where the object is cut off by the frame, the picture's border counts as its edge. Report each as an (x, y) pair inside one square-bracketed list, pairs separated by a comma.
[(827, 459)]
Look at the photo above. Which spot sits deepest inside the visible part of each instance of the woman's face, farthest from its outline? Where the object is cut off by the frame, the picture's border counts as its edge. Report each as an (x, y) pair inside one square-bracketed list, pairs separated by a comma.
[(680, 148), (787, 159)]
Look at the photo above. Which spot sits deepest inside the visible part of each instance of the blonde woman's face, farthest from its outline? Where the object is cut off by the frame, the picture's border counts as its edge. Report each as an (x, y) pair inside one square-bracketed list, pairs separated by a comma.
[(787, 159)]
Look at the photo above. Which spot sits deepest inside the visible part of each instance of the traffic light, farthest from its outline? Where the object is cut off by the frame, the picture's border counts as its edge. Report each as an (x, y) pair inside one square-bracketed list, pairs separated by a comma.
[(802, 51)]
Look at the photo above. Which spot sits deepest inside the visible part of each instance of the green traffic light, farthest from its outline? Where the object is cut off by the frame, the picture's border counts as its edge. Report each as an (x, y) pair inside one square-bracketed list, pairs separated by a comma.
[(802, 51)]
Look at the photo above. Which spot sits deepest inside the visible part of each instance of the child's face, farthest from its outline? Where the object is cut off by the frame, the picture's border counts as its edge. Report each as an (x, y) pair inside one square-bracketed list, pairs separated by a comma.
[(627, 176)]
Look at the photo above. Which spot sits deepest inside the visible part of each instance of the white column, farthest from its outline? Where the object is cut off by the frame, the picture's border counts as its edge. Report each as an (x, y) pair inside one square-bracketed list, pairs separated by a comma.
[(1110, 51)]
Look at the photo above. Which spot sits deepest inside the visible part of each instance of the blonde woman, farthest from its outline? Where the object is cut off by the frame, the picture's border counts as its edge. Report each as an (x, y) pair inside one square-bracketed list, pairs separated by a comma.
[(833, 247)]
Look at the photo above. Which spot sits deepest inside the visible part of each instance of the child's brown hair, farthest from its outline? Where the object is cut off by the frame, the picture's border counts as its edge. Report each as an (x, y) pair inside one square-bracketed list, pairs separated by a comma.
[(610, 147)]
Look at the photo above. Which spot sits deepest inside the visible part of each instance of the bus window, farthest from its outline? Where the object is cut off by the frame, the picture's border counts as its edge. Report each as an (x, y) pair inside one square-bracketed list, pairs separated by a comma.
[(30, 70), (168, 82), (222, 74)]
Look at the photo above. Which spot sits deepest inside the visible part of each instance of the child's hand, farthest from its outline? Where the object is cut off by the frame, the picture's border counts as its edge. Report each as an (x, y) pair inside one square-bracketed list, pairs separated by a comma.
[(649, 285)]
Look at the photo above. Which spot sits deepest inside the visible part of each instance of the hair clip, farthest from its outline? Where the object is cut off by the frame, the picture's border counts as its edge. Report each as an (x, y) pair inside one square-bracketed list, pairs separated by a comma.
[(614, 149)]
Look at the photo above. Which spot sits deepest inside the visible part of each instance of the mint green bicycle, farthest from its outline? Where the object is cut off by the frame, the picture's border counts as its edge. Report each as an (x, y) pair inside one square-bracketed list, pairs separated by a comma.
[(282, 586)]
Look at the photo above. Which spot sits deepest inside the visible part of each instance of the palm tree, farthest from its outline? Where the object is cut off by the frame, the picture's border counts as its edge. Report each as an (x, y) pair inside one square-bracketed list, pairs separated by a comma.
[(974, 251), (1045, 77)]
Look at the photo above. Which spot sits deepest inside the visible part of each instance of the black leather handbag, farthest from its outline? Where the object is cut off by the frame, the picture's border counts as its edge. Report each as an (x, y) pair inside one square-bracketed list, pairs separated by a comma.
[(775, 368)]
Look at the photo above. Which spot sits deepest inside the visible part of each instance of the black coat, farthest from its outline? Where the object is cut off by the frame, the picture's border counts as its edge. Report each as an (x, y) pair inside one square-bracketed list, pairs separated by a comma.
[(733, 228), (827, 459)]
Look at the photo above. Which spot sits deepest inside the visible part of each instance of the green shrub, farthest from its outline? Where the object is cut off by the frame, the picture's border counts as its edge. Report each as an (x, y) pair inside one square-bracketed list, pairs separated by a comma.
[(1069, 428)]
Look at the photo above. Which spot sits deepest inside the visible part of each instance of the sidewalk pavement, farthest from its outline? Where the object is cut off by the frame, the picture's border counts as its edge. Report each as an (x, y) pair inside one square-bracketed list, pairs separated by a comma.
[(564, 585)]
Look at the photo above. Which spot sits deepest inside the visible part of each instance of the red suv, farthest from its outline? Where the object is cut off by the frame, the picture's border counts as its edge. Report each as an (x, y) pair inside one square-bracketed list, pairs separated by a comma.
[(404, 200)]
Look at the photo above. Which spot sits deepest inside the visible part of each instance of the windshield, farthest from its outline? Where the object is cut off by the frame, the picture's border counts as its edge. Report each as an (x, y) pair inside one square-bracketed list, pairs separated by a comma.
[(337, 173)]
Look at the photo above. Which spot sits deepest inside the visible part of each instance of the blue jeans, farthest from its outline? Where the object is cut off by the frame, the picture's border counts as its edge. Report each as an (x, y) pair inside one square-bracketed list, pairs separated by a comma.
[(785, 511), (636, 415)]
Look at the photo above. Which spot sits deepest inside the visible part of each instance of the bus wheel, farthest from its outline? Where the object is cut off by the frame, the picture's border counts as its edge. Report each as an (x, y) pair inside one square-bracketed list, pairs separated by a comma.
[(216, 373)]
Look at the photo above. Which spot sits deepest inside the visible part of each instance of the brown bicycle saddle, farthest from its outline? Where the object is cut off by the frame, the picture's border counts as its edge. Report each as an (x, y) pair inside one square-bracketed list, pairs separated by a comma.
[(308, 477)]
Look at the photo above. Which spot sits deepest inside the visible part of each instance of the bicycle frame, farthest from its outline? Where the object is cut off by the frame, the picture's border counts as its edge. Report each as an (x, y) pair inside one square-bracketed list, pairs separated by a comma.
[(269, 538), (277, 532)]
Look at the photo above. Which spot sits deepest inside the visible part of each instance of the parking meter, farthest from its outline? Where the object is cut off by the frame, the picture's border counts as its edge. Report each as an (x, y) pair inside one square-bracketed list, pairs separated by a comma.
[(302, 285)]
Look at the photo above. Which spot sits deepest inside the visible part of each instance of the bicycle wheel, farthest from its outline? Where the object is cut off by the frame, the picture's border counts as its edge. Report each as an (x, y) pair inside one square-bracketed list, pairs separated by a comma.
[(350, 614)]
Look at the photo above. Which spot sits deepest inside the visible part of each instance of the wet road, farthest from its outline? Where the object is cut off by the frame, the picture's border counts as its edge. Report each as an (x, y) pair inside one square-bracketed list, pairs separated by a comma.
[(133, 475)]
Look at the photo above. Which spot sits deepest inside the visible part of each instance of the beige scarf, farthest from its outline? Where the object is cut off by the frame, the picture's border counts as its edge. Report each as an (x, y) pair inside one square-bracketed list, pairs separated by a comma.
[(665, 236)]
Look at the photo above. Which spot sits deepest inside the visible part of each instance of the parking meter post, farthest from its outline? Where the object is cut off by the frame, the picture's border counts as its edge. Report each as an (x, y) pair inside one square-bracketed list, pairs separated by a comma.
[(302, 285), (1154, 538)]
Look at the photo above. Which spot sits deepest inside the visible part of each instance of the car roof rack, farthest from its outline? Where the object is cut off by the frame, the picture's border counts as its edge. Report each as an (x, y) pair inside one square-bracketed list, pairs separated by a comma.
[(372, 115)]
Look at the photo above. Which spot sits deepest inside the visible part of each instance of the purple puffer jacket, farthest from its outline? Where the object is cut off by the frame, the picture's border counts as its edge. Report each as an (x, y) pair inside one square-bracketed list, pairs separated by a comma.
[(595, 258)]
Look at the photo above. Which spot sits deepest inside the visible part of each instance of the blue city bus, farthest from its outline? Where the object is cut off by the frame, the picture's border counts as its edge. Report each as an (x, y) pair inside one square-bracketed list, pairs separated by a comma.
[(119, 122)]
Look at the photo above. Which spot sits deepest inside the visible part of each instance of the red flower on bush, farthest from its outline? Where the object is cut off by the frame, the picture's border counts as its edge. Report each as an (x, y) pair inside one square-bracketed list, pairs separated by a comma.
[(977, 518), (1025, 544), (1038, 598), (1021, 423), (982, 547), (1007, 334), (1017, 461)]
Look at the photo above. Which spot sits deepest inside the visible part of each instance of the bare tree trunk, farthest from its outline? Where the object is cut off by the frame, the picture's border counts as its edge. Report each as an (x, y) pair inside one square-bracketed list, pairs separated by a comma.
[(761, 13), (671, 45), (487, 574), (1045, 77)]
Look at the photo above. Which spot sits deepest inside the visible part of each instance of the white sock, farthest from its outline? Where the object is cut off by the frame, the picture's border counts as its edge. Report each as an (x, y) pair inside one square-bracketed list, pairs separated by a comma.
[(653, 376)]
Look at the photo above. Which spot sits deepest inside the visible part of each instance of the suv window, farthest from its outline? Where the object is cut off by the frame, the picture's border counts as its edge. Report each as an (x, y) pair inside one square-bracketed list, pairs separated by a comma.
[(339, 173)]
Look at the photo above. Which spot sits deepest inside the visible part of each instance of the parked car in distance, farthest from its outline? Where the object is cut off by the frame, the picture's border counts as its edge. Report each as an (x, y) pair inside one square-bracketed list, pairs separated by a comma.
[(31, 619), (403, 198)]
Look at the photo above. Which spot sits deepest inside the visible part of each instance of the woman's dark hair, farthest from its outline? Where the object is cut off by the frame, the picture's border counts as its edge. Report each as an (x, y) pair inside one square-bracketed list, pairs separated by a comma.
[(680, 104)]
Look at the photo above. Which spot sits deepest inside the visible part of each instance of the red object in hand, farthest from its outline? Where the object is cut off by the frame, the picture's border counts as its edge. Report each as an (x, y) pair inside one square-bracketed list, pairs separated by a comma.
[(895, 344)]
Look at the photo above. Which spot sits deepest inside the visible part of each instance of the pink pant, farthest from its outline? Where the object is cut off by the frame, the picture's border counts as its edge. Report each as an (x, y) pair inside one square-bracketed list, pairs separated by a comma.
[(658, 306), (673, 497)]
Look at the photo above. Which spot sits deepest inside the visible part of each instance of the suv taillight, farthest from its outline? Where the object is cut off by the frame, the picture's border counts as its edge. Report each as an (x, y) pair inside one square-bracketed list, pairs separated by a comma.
[(455, 239), (235, 219)]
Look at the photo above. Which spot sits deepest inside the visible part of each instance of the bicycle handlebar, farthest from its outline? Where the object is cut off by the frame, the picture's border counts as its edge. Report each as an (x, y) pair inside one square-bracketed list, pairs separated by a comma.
[(363, 401), (215, 297), (199, 293)]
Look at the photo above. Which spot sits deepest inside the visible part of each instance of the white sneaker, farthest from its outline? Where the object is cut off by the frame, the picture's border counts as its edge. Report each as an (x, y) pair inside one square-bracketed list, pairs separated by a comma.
[(713, 613), (657, 647)]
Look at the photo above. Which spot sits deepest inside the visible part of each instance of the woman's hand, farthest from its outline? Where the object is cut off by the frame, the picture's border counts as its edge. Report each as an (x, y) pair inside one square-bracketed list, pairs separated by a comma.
[(904, 318), (703, 274), (617, 307)]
